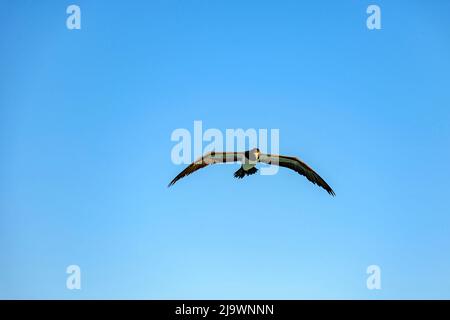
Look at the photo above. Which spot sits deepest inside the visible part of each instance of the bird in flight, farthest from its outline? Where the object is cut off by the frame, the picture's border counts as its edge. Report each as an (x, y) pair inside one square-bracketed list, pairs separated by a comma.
[(249, 159)]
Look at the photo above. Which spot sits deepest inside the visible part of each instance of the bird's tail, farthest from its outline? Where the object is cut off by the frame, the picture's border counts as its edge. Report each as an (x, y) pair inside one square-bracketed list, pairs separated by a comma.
[(241, 173)]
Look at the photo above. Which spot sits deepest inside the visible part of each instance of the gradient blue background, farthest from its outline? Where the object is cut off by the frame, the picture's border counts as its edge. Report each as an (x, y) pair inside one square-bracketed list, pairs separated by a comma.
[(85, 124)]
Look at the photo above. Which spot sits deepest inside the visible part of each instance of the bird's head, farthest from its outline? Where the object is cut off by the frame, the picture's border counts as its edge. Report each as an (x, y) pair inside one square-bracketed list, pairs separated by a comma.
[(255, 152)]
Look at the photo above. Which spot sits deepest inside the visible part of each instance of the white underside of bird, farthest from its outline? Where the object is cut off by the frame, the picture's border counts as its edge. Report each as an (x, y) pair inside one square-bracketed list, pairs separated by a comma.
[(247, 166)]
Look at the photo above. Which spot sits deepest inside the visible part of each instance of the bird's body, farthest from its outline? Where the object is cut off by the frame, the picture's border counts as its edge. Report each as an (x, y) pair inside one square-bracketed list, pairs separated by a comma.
[(248, 160), (248, 166)]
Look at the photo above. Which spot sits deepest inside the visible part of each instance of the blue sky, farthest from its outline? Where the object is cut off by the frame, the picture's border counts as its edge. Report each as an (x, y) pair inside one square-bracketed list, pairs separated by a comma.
[(85, 123)]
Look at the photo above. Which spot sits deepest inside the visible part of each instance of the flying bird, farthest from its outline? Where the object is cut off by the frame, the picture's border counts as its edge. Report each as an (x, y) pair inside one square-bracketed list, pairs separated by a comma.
[(249, 159)]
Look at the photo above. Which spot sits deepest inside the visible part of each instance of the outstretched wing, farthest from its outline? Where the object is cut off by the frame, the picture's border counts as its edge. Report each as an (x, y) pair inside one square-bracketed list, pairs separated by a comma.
[(207, 159), (298, 166)]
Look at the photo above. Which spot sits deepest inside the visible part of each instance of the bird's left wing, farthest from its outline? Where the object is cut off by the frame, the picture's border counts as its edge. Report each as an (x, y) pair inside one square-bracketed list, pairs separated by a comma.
[(298, 166), (207, 159)]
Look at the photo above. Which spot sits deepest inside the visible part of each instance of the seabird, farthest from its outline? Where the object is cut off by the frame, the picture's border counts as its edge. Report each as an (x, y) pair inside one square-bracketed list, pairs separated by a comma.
[(249, 159)]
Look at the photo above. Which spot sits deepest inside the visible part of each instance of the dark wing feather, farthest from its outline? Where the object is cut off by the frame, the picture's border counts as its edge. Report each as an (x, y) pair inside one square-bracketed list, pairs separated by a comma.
[(298, 166), (209, 158)]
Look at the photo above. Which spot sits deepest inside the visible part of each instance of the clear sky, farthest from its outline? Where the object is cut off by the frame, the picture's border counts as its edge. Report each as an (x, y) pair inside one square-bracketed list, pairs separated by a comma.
[(85, 123)]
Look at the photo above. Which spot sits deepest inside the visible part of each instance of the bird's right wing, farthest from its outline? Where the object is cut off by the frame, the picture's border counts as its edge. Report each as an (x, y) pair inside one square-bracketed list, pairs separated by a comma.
[(207, 159)]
